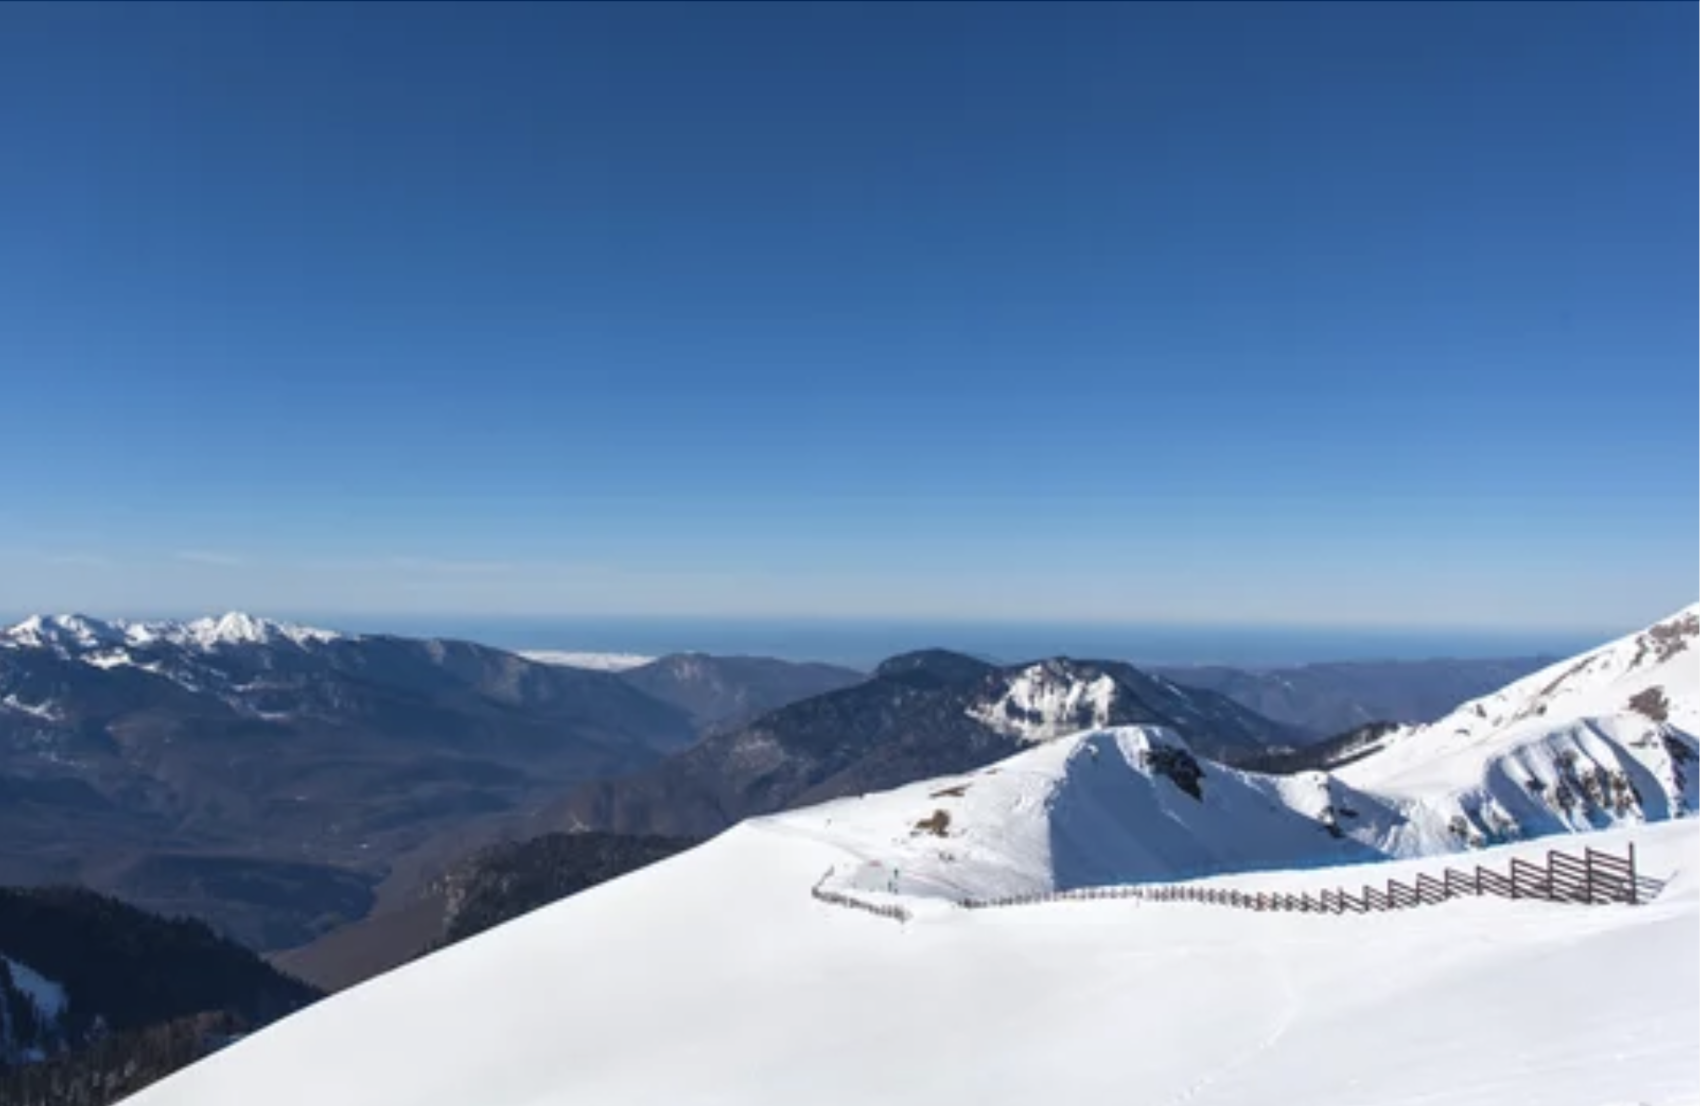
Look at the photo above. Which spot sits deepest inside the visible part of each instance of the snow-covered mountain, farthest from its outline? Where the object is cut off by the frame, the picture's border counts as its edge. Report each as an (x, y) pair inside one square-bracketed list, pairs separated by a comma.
[(919, 715), (99, 640), (1128, 804), (1136, 803), (1047, 699), (1007, 1006), (621, 994), (198, 655), (1603, 738), (1618, 724)]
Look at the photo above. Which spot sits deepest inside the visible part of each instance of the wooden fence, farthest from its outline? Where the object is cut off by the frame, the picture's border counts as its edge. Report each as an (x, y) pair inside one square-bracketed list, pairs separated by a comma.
[(1592, 877), (882, 910)]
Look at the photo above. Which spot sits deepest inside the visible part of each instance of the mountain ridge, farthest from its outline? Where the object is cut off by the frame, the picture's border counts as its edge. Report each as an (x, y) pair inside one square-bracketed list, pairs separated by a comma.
[(1332, 697), (248, 771), (1125, 802), (920, 714)]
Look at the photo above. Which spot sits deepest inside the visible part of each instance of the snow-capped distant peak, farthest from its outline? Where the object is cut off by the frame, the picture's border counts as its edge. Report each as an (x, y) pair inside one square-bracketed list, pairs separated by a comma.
[(1046, 700), (62, 631), (76, 634), (236, 628)]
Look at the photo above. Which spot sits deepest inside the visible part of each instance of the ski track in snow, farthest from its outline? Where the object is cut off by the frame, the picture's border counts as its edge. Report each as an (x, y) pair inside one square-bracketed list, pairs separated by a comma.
[(1286, 1016)]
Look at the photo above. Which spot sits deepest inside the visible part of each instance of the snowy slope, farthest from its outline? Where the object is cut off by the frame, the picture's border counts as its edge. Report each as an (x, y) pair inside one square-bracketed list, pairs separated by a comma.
[(714, 978), (1602, 739), (1124, 805)]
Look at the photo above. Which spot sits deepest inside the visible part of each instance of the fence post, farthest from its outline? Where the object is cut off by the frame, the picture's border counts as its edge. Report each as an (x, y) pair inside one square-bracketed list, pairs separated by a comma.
[(1588, 875), (1634, 892)]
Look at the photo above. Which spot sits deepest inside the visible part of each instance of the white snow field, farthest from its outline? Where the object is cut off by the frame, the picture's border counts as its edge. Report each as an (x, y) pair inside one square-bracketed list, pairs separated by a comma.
[(714, 977)]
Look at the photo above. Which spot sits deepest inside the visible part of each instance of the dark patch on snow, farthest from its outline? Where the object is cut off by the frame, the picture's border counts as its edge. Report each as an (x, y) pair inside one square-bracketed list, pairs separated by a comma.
[(937, 824), (1652, 703), (1176, 765)]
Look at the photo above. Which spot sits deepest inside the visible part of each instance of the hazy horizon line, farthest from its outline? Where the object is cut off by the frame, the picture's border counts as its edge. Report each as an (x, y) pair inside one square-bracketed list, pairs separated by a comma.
[(329, 619)]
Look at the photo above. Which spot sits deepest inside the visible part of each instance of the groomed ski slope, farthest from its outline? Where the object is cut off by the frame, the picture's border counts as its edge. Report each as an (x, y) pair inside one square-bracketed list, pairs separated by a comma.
[(714, 978)]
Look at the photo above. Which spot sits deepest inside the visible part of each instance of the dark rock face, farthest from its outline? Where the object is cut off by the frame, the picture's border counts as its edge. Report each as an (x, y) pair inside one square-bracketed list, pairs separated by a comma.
[(1177, 766)]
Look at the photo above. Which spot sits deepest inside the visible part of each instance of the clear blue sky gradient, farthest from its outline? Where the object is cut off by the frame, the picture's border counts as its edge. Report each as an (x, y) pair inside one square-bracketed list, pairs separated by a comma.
[(1379, 314)]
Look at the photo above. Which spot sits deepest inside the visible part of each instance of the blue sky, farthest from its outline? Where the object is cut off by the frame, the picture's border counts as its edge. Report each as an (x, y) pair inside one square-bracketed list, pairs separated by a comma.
[(1380, 315)]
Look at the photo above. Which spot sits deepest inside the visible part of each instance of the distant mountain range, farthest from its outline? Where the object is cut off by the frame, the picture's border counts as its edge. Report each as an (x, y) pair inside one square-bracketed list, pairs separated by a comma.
[(282, 781), (1323, 699), (717, 692), (921, 714), (1328, 699), (269, 778), (1116, 778), (1603, 740)]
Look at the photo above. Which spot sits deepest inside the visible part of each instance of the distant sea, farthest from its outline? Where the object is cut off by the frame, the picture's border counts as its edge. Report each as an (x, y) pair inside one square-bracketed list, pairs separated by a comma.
[(864, 644)]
